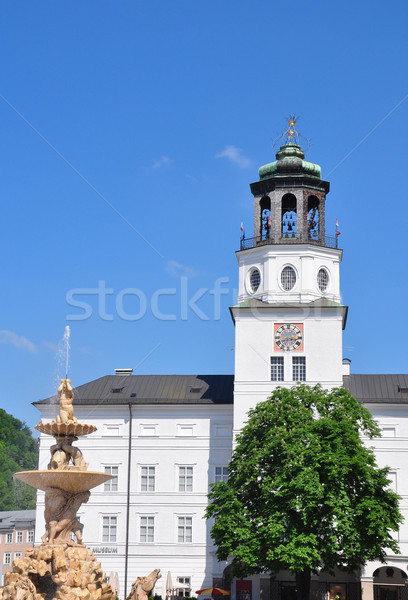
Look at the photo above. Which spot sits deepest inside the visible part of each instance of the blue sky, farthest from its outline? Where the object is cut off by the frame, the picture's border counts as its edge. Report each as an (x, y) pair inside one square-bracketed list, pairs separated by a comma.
[(130, 132)]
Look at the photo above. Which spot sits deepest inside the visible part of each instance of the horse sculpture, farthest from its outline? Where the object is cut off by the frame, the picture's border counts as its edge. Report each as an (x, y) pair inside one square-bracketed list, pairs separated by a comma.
[(143, 586)]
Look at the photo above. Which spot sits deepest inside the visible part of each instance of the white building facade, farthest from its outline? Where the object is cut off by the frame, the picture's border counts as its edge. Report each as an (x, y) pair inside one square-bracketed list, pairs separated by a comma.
[(167, 438)]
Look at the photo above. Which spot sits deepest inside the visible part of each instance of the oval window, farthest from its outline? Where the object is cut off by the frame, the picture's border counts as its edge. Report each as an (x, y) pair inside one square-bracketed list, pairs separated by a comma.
[(254, 280), (288, 278), (322, 280)]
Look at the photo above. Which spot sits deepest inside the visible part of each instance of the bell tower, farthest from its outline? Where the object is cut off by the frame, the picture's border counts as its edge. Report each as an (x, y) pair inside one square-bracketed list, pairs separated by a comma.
[(289, 316)]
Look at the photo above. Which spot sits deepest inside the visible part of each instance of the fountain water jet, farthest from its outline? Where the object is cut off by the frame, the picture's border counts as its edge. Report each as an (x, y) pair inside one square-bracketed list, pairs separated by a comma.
[(67, 334), (61, 569)]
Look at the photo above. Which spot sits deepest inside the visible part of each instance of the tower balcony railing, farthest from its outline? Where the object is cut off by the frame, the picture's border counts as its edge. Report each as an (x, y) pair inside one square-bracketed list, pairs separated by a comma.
[(293, 238)]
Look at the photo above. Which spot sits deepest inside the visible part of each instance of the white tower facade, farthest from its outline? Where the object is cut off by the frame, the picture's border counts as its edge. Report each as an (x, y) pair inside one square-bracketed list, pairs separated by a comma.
[(289, 317)]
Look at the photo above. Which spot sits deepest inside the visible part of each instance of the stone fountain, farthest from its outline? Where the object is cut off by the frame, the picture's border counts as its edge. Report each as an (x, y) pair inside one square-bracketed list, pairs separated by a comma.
[(62, 568)]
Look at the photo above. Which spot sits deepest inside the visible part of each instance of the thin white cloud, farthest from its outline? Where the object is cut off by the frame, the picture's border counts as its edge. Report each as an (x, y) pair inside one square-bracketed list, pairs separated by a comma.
[(18, 341), (51, 345), (163, 161), (234, 155), (178, 270)]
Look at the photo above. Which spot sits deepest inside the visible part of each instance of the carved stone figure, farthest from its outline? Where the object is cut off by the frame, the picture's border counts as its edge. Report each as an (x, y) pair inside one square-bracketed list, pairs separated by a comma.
[(20, 589), (60, 515), (63, 451), (143, 586), (66, 398), (61, 569), (57, 572), (59, 459)]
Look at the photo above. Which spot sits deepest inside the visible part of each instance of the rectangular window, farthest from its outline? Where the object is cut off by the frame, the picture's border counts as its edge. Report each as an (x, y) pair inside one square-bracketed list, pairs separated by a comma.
[(388, 431), (299, 368), (148, 429), (30, 536), (185, 530), (109, 529), (9, 538), (7, 558), (221, 473), (186, 430), (185, 479), (392, 478), (277, 373), (111, 430), (19, 537), (184, 592), (17, 554), (112, 484), (148, 479), (147, 529)]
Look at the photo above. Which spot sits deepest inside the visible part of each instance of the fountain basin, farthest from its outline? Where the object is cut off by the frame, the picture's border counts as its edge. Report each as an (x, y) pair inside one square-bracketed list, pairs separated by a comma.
[(64, 479), (65, 429)]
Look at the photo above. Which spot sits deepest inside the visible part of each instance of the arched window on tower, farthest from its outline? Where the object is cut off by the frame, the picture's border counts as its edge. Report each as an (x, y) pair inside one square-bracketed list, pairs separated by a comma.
[(265, 206), (289, 216), (313, 217)]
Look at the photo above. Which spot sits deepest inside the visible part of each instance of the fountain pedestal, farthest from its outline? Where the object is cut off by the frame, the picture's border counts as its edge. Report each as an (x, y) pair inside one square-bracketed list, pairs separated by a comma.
[(61, 568)]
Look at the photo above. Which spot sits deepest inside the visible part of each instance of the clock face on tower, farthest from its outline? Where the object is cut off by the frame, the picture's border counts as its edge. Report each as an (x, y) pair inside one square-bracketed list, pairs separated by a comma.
[(289, 336)]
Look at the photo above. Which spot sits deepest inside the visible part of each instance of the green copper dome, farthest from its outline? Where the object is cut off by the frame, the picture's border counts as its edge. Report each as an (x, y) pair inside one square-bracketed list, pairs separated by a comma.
[(290, 161)]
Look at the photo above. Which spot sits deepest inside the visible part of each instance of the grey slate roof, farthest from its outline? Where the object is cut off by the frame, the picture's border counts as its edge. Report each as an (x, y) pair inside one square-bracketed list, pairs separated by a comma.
[(153, 389), (213, 389), (392, 389), (10, 518)]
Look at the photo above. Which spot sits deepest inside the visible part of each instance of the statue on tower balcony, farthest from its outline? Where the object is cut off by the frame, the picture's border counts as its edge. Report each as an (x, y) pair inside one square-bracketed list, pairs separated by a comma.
[(266, 224), (268, 229)]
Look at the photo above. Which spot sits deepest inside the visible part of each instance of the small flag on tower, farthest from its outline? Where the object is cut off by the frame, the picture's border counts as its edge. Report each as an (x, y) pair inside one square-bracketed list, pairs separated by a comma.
[(337, 232), (242, 225)]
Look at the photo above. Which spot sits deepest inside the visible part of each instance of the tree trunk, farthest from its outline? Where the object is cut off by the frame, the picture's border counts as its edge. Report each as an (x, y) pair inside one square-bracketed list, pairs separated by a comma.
[(303, 584)]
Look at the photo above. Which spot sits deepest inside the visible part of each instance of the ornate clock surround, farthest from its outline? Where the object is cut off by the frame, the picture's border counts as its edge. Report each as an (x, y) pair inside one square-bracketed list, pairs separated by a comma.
[(288, 337)]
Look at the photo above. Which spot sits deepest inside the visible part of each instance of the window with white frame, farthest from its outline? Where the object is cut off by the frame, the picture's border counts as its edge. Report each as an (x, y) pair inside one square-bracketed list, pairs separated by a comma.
[(288, 278), (221, 473), (392, 480), (7, 558), (185, 430), (148, 479), (147, 529), (388, 431), (112, 484), (322, 280), (109, 528), (9, 538), (17, 555), (19, 537), (184, 592), (148, 429), (277, 372), (299, 368), (111, 429), (185, 530), (185, 479), (254, 279), (30, 536)]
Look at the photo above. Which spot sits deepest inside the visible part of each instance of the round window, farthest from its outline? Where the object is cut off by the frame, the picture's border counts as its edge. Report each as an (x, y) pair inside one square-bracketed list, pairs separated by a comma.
[(322, 280), (254, 280), (288, 278)]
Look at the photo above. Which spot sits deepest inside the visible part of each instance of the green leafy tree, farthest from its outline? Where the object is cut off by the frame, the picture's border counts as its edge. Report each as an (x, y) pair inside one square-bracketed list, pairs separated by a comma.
[(304, 492), (18, 452)]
